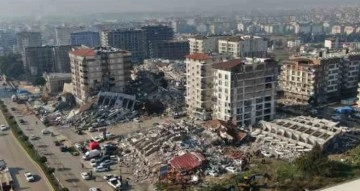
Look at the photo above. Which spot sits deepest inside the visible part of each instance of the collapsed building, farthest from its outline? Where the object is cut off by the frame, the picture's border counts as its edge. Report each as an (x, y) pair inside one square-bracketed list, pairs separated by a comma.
[(116, 100), (291, 136)]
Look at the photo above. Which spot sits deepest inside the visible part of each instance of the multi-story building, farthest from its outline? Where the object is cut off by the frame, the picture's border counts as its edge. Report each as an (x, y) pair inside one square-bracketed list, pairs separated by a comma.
[(320, 79), (154, 34), (28, 39), (244, 90), (7, 40), (99, 69), (332, 43), (244, 46), (50, 59), (55, 81), (132, 40), (171, 49), (199, 83), (62, 34), (87, 38), (204, 44)]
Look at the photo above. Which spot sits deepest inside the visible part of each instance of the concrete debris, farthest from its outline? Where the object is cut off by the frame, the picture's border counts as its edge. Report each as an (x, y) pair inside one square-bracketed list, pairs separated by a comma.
[(160, 80), (145, 152), (288, 138)]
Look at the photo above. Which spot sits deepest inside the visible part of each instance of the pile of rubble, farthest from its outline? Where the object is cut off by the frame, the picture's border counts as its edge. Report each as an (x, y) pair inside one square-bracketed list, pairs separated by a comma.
[(158, 147), (290, 137), (110, 108), (160, 80)]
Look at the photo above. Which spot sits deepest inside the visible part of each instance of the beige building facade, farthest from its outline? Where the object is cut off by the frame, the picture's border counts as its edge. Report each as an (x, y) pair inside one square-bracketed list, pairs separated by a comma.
[(199, 83), (243, 46), (99, 69)]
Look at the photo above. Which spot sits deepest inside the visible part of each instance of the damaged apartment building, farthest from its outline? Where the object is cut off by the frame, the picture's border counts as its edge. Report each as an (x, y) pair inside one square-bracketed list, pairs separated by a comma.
[(244, 90), (100, 69), (321, 78), (199, 83), (241, 90)]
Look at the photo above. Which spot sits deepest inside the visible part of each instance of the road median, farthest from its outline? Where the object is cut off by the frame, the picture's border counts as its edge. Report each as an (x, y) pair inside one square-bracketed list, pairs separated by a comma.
[(25, 144)]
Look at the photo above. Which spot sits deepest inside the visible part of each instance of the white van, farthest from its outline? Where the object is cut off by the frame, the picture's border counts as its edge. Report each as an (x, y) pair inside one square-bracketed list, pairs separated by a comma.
[(91, 154)]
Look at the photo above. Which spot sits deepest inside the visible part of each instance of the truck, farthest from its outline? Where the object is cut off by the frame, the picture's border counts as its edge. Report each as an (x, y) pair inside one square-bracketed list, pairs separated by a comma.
[(91, 154)]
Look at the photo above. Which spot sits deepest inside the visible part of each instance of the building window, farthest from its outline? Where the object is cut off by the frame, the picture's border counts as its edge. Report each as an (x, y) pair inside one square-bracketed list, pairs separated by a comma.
[(219, 75), (226, 76)]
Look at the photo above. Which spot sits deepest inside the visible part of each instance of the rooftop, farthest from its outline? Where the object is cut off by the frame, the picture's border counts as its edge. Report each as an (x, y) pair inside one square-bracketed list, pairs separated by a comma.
[(83, 52), (198, 56), (240, 38), (228, 64), (86, 51), (188, 161)]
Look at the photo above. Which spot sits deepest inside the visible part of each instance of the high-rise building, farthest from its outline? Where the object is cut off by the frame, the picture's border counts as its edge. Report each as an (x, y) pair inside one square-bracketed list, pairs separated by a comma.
[(86, 38), (99, 69), (244, 46), (204, 44), (155, 34), (50, 59), (28, 39), (132, 40), (244, 90), (199, 83), (171, 49), (62, 34), (7, 40), (319, 79)]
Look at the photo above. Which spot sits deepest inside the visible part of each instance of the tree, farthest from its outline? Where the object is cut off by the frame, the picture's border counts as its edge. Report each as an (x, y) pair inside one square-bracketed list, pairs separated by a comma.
[(39, 81)]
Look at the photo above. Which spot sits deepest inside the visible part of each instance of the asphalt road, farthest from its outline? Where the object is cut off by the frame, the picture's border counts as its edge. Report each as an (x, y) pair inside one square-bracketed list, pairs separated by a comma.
[(18, 162), (67, 167)]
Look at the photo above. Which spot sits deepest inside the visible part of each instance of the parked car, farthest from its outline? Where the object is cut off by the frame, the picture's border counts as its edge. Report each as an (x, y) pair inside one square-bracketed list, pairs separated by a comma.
[(3, 128), (108, 176), (94, 189), (107, 134), (29, 176), (33, 137), (91, 154), (93, 162), (45, 131), (57, 143), (78, 145), (97, 139), (101, 168), (85, 175), (106, 163), (22, 121), (114, 182), (63, 148)]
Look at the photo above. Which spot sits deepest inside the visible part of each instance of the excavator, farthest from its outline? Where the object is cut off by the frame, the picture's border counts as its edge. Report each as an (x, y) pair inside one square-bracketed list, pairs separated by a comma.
[(250, 183)]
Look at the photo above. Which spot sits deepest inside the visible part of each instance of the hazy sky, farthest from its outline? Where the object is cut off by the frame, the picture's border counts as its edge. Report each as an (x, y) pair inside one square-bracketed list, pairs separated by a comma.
[(64, 7)]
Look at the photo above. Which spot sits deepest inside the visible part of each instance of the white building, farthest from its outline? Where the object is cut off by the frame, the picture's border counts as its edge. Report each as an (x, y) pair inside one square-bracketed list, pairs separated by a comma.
[(204, 44), (336, 29), (55, 81), (243, 46), (99, 69), (63, 34), (295, 43), (199, 83), (245, 90), (332, 43)]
